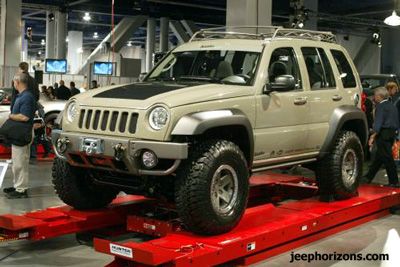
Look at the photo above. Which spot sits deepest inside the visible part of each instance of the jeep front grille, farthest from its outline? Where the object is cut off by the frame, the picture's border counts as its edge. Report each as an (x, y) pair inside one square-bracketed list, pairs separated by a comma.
[(95, 119)]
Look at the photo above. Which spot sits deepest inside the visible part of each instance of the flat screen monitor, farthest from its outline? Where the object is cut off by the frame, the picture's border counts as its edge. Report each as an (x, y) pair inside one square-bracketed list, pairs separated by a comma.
[(56, 66), (103, 68)]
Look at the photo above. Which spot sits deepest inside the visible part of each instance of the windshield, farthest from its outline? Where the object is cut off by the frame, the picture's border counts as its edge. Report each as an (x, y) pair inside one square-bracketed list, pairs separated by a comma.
[(213, 66)]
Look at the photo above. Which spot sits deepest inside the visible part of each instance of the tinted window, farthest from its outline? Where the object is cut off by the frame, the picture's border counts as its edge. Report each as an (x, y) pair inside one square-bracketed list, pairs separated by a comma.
[(284, 62), (346, 73), (318, 68)]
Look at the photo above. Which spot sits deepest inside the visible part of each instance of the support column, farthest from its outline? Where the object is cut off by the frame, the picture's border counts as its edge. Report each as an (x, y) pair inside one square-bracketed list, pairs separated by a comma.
[(249, 13), (10, 40), (61, 28), (50, 33), (24, 43), (312, 22), (74, 54), (164, 34), (150, 43)]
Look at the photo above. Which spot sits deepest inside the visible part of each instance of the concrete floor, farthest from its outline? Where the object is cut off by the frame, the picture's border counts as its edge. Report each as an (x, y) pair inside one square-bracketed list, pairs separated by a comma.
[(66, 251)]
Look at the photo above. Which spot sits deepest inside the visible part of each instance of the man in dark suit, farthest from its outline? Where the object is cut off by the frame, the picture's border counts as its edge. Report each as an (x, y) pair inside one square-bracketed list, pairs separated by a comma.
[(62, 92), (33, 86), (385, 128), (73, 89)]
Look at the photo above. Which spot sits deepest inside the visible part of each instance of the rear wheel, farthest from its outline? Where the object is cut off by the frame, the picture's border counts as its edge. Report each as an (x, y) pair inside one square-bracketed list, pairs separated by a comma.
[(76, 188), (339, 173), (212, 187)]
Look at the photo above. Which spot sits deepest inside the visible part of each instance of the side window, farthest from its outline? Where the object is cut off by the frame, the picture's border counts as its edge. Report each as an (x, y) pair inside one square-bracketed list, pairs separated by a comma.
[(329, 78), (319, 70), (284, 62), (346, 73)]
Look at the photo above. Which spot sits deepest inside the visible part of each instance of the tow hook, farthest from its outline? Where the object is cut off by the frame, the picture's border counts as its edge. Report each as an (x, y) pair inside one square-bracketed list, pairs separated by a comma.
[(119, 151)]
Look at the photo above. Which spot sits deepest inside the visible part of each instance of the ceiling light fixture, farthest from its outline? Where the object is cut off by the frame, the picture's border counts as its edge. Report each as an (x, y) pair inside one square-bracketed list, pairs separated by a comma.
[(43, 42), (129, 43), (87, 17), (393, 20), (95, 35), (66, 40), (51, 17)]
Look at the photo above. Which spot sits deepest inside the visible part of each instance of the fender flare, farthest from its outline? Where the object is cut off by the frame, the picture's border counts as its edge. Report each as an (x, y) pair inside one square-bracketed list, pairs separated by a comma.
[(339, 117), (199, 122)]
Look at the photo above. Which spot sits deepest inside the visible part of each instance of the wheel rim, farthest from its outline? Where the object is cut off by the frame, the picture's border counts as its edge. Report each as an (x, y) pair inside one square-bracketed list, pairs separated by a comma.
[(224, 190), (349, 167)]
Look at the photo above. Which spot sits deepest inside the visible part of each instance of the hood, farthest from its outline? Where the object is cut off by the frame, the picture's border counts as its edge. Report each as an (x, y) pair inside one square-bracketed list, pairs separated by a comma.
[(145, 95)]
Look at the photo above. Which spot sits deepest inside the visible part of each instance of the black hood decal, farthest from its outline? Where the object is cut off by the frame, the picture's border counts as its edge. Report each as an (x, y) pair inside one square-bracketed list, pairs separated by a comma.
[(140, 91)]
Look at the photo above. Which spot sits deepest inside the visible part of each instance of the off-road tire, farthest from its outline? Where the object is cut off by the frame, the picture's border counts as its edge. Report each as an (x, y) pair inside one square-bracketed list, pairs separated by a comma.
[(330, 178), (193, 187), (76, 189)]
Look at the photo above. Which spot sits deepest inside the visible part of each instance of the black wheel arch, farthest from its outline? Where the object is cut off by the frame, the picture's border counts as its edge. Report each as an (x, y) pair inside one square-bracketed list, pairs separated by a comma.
[(232, 125), (345, 118)]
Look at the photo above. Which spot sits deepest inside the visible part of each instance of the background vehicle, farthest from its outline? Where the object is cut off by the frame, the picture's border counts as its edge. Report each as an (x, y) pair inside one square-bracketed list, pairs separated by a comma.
[(371, 81), (212, 112)]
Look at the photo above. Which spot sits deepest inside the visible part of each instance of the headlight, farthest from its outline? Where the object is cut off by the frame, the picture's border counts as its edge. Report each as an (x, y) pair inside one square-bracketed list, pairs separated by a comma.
[(158, 118), (72, 110)]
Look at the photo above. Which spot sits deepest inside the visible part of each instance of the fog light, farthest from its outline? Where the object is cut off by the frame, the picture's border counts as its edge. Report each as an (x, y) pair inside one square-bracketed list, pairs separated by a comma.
[(149, 159), (62, 145)]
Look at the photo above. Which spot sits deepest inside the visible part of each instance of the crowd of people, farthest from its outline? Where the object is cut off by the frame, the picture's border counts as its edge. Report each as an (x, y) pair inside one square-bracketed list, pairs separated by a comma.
[(60, 91)]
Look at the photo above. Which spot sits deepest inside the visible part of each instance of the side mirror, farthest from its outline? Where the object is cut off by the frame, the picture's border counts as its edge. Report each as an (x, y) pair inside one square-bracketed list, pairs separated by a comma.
[(142, 76), (282, 83)]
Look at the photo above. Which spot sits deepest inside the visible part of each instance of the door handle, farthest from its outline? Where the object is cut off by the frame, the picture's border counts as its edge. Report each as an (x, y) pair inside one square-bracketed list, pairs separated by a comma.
[(300, 101), (337, 97)]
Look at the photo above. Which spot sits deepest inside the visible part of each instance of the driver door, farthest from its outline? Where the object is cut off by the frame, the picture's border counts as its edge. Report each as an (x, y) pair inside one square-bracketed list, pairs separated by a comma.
[(281, 117)]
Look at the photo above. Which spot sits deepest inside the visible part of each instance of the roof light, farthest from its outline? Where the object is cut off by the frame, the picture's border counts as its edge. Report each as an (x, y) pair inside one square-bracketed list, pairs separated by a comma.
[(129, 43), (87, 17), (393, 20), (43, 42), (95, 35)]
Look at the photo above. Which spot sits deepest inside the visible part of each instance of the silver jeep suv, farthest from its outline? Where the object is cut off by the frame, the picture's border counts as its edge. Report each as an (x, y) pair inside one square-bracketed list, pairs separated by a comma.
[(212, 112)]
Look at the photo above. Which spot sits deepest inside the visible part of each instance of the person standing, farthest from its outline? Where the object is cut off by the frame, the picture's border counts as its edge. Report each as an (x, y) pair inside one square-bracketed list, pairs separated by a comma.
[(73, 89), (62, 92), (384, 133), (33, 86), (23, 111)]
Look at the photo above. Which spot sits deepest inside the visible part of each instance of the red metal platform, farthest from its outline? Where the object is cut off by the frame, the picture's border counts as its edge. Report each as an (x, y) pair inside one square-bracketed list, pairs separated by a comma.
[(283, 213)]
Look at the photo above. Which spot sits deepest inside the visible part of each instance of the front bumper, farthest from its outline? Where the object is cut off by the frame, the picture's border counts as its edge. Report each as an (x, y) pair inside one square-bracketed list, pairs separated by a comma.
[(117, 153)]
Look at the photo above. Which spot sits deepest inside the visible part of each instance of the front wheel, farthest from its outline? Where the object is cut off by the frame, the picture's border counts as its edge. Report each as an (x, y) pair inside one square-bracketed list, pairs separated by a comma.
[(339, 173), (76, 187), (212, 188)]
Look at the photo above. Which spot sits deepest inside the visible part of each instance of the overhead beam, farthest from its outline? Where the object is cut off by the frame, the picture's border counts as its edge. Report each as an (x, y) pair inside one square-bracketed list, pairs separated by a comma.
[(78, 2), (33, 13), (179, 31), (190, 27), (175, 3), (122, 33)]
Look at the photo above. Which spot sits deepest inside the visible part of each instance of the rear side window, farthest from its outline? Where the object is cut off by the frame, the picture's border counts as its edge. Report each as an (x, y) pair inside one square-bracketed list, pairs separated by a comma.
[(343, 65), (318, 67)]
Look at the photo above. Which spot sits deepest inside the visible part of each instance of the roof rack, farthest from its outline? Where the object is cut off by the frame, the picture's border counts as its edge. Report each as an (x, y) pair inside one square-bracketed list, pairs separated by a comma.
[(261, 33)]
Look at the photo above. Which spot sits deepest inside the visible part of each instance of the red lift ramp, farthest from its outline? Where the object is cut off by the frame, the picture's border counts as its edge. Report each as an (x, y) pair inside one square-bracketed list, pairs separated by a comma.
[(293, 217), (264, 231)]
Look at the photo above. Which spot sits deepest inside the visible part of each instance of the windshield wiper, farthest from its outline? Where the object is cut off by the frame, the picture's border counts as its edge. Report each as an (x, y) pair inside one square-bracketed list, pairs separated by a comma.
[(200, 79), (162, 79)]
